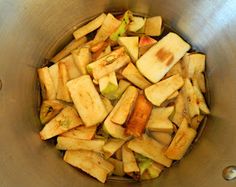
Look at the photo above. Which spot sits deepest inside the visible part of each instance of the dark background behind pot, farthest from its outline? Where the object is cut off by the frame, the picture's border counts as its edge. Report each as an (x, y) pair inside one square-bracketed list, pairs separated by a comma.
[(28, 29)]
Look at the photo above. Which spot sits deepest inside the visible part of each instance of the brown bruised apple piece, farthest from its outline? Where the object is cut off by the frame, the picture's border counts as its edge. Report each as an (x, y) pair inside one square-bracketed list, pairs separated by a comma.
[(138, 119)]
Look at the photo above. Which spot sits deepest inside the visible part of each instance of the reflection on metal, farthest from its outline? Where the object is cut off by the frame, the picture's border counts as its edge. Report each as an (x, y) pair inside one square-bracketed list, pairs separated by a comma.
[(229, 173)]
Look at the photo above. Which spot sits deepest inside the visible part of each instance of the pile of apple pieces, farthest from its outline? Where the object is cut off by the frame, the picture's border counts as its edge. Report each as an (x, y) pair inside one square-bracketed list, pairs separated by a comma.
[(120, 104)]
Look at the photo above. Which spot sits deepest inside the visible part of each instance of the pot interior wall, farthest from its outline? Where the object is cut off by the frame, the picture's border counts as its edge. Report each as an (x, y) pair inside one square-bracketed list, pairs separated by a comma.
[(29, 29)]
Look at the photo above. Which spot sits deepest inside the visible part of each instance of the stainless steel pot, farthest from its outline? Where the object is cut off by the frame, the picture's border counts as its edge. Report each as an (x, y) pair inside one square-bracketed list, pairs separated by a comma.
[(29, 29)]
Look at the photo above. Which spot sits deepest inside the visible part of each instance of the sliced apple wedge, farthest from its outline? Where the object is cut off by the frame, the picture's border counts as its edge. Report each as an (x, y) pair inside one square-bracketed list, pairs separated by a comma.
[(153, 26), (159, 92), (129, 161), (137, 122), (47, 86), (131, 45), (109, 25), (89, 27), (70, 47), (191, 99), (87, 100), (62, 90), (181, 141), (108, 84), (82, 58), (160, 58), (112, 128), (176, 69), (107, 103), (73, 71), (118, 167), (136, 23), (125, 105), (179, 109), (81, 132), (150, 148), (193, 63), (90, 162), (173, 95), (159, 121), (145, 43), (53, 70), (153, 171), (67, 143), (120, 31), (199, 81), (67, 119), (123, 85), (115, 65), (162, 137), (111, 146), (49, 109), (106, 59), (196, 121), (201, 101), (133, 75)]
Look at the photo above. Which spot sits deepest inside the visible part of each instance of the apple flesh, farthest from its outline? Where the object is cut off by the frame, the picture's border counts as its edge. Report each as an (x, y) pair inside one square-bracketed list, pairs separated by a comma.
[(145, 43)]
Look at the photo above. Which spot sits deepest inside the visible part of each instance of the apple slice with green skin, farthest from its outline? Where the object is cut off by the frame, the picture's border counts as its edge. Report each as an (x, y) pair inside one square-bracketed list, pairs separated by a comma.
[(120, 31), (90, 162), (181, 142), (68, 143), (108, 84), (123, 85), (114, 65), (111, 146), (82, 58), (115, 130), (109, 25), (159, 92), (68, 49), (125, 105), (87, 100), (153, 26), (145, 43), (162, 56), (119, 169), (149, 148), (81, 132), (89, 27), (136, 23), (67, 119), (131, 45), (134, 76), (62, 90), (159, 121), (49, 109), (47, 86), (106, 59), (155, 169)]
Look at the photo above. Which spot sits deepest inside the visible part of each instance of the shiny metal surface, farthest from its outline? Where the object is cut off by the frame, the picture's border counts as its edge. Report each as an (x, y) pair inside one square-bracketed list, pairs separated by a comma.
[(28, 29), (229, 173)]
